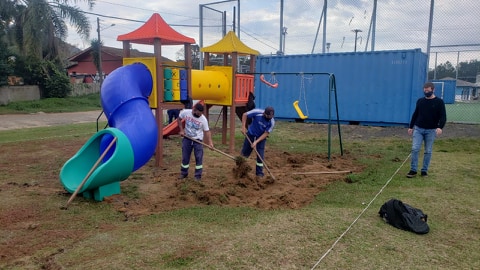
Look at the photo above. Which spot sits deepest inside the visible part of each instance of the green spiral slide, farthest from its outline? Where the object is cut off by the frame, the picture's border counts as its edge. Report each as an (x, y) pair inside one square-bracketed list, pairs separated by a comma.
[(104, 179)]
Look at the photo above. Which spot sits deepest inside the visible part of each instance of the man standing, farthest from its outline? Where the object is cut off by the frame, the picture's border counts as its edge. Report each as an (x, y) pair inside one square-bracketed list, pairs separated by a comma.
[(196, 127), (173, 114), (261, 125), (427, 122)]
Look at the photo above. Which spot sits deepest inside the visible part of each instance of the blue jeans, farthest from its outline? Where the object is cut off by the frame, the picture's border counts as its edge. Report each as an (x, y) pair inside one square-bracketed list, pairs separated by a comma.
[(247, 150), (428, 137)]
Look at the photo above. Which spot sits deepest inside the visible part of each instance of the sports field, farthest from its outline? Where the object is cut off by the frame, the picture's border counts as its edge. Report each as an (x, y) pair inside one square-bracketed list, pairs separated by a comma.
[(461, 112)]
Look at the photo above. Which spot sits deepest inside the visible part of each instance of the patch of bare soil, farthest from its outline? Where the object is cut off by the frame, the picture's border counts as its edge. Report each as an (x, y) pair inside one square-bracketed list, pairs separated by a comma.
[(293, 182), (28, 182)]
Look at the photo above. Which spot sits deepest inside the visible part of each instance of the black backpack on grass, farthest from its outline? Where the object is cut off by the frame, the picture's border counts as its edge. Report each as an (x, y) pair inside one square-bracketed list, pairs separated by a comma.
[(405, 217)]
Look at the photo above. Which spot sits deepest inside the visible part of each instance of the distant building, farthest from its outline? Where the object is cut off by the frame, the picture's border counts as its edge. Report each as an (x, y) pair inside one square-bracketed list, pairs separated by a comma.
[(83, 70), (464, 90)]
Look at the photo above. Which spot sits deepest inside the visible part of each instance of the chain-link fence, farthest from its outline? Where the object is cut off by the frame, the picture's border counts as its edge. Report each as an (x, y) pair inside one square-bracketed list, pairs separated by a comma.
[(447, 30), (460, 64)]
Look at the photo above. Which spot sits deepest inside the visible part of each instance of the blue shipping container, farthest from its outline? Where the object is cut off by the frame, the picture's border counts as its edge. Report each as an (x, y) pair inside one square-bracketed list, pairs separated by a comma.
[(373, 88)]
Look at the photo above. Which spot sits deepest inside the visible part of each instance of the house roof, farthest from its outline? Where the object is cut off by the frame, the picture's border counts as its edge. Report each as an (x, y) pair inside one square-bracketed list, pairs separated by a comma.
[(460, 83), (156, 27), (115, 52), (228, 44)]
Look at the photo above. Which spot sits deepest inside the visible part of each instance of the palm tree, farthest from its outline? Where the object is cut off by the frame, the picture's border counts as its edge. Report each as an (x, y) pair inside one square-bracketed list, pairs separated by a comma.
[(96, 48), (40, 24)]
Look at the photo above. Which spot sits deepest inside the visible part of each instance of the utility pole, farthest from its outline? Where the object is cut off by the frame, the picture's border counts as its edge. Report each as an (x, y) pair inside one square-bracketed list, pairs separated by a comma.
[(356, 33), (100, 71), (280, 47)]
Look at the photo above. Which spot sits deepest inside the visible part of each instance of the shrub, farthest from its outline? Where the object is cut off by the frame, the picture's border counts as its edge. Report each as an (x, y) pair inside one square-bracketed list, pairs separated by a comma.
[(5, 68), (57, 85)]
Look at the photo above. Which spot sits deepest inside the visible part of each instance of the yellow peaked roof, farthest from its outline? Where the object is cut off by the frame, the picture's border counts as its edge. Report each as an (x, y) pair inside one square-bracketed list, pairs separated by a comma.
[(228, 44)]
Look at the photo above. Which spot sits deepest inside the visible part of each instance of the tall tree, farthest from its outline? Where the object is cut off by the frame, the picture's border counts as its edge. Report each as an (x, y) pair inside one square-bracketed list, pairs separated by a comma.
[(180, 56), (7, 13), (442, 71), (40, 24), (468, 71), (96, 46)]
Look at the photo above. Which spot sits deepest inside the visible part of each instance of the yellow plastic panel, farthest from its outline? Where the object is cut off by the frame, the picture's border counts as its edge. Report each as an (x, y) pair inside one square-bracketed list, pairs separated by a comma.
[(151, 65), (214, 85)]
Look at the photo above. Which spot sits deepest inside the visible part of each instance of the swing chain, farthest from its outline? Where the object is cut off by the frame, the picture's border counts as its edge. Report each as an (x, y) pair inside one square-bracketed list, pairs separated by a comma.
[(302, 89), (272, 79)]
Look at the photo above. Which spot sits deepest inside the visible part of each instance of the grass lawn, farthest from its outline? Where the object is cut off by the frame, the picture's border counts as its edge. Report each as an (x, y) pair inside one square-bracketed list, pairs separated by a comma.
[(89, 102), (338, 229)]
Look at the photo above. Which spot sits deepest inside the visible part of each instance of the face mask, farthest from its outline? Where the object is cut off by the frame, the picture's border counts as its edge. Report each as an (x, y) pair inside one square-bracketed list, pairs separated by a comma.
[(196, 115), (428, 94)]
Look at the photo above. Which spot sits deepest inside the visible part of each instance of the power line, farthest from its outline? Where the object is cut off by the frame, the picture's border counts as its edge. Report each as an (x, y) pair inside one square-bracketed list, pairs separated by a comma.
[(151, 10), (111, 17), (251, 35), (139, 21), (130, 20)]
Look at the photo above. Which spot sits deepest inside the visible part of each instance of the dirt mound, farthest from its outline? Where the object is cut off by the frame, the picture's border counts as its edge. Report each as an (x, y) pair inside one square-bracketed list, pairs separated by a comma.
[(296, 180)]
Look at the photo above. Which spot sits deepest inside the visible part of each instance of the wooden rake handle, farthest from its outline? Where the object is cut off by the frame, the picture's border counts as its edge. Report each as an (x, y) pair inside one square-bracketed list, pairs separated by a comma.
[(213, 148), (91, 171), (258, 155)]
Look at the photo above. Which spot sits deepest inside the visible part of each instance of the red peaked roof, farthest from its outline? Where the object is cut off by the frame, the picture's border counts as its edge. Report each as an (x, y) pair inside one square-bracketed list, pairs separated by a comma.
[(156, 27)]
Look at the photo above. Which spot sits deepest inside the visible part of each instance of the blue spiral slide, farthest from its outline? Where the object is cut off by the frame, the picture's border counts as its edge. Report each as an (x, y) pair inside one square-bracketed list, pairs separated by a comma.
[(124, 96)]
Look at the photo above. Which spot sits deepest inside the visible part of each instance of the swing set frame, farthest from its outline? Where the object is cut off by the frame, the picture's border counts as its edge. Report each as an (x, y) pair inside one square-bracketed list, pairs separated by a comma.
[(332, 88)]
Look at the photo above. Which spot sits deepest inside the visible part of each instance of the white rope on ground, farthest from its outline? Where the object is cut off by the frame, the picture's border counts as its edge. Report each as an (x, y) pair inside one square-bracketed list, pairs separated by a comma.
[(358, 217)]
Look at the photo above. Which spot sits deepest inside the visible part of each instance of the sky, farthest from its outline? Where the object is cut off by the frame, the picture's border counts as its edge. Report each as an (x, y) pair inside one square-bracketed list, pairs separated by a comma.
[(399, 25)]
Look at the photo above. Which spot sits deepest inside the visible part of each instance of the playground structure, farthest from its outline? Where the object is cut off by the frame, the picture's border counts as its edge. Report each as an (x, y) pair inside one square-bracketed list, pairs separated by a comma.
[(215, 85), (122, 148), (131, 91)]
